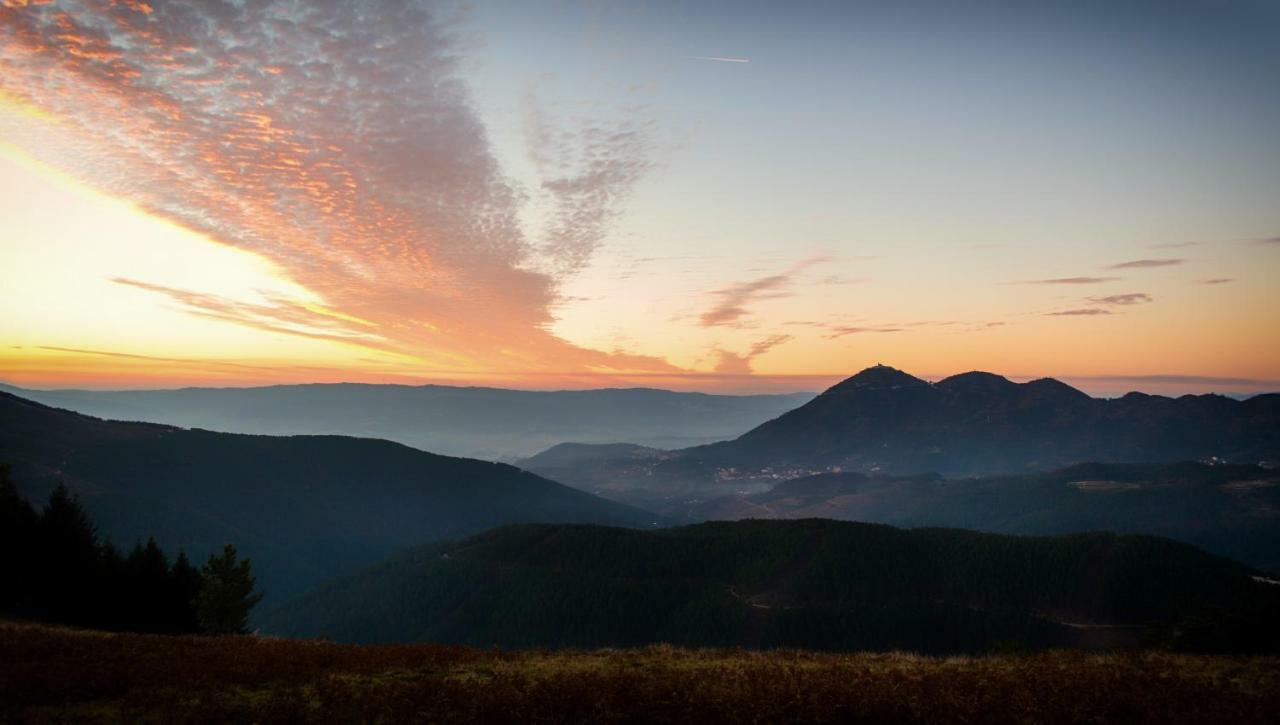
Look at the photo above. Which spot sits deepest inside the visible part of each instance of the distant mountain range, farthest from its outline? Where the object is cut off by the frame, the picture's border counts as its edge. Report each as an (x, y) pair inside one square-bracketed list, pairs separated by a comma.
[(815, 584), (303, 508), (486, 423), (885, 421)]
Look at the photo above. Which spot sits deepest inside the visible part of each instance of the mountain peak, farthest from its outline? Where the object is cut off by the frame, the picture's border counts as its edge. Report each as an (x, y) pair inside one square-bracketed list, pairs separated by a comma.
[(877, 377), (977, 381), (1053, 388)]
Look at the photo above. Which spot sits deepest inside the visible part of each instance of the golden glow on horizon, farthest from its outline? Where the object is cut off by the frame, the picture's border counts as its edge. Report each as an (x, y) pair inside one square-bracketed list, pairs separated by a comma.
[(67, 243), (65, 246)]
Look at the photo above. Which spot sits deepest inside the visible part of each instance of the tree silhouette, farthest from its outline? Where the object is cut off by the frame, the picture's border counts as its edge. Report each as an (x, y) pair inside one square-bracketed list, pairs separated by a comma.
[(227, 595), (17, 528), (184, 583), (54, 568), (67, 557)]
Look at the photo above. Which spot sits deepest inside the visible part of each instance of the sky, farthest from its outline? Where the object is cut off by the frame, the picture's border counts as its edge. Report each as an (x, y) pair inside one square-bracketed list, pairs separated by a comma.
[(719, 196)]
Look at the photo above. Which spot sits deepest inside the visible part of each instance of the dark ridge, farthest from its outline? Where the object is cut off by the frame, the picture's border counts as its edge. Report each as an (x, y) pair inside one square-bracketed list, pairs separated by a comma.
[(812, 583), (879, 377), (977, 382), (883, 421), (303, 508), (1229, 510), (1052, 387)]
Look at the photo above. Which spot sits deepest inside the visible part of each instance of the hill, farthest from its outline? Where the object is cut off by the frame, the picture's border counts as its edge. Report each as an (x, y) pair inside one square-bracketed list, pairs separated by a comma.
[(883, 420), (487, 423), (60, 675), (1233, 511), (816, 584), (303, 508)]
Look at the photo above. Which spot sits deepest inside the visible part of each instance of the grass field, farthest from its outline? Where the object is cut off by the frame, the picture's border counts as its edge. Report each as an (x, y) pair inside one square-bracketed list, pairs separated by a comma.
[(61, 675)]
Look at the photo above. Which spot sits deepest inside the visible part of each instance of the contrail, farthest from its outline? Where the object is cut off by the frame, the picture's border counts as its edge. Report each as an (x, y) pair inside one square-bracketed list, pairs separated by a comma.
[(721, 59)]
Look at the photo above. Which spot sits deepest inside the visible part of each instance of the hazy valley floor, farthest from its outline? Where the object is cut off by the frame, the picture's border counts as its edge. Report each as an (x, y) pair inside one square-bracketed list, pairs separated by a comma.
[(61, 675)]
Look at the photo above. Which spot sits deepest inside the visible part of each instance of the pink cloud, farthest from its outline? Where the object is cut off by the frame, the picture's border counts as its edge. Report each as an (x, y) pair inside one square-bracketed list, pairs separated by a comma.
[(337, 142), (733, 302), (731, 363)]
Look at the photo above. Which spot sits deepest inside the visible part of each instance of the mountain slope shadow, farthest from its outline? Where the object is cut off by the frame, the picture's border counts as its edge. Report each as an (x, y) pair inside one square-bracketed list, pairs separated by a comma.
[(304, 508)]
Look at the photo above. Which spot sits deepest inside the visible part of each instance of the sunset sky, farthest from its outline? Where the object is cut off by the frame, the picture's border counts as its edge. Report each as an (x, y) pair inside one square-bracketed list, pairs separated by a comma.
[(719, 196)]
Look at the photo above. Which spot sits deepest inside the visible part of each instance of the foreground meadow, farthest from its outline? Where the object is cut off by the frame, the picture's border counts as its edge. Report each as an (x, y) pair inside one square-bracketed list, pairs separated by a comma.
[(52, 674)]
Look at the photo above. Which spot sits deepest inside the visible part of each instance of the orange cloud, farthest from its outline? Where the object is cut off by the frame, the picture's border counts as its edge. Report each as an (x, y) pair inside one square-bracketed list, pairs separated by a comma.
[(338, 144), (732, 302), (732, 363)]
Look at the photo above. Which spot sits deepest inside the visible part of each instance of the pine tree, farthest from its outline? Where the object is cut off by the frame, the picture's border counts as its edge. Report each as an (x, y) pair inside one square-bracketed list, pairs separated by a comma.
[(227, 595), (147, 582), (184, 586), (68, 560), (53, 569), (17, 526)]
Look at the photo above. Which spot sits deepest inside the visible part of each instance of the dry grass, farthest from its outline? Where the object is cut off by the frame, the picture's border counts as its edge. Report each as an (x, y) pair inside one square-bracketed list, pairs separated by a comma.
[(62, 675)]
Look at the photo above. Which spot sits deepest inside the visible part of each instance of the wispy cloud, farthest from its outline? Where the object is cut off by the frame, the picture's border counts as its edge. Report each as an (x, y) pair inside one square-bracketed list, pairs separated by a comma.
[(1072, 280), (1147, 263), (740, 363), (275, 315), (1083, 312), (1132, 298), (588, 170), (150, 358), (838, 332), (1218, 280), (721, 58), (837, 280), (732, 302)]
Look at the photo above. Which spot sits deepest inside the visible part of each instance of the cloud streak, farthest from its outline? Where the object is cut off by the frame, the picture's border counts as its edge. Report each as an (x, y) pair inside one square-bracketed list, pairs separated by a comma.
[(733, 302), (1072, 280), (1124, 300), (731, 363), (1147, 263), (841, 331), (1082, 312)]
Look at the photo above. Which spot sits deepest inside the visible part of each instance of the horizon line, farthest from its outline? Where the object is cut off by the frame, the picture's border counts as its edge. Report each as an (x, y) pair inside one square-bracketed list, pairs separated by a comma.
[(1257, 386)]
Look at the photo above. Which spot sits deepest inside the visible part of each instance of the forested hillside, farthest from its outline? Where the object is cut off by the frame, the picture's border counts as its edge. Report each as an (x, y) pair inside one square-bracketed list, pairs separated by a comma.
[(1233, 511), (304, 508), (815, 584)]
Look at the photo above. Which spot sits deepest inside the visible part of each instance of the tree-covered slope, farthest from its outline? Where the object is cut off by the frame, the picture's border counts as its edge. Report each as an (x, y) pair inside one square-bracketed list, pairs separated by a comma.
[(303, 508), (815, 583), (1233, 511)]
